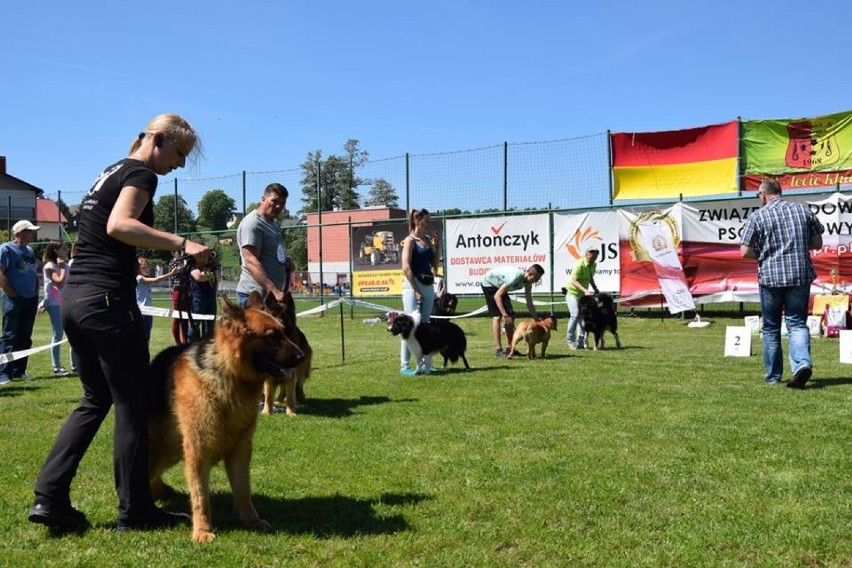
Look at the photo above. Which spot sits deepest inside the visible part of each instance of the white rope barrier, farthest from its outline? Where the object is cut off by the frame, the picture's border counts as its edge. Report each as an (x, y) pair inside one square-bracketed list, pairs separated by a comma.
[(17, 355), (178, 314)]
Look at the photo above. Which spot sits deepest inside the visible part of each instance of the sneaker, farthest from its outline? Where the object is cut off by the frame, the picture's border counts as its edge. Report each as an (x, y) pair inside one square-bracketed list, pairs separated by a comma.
[(433, 370), (500, 354), (25, 377), (60, 372), (5, 379), (572, 346), (800, 378), (408, 372), (771, 382)]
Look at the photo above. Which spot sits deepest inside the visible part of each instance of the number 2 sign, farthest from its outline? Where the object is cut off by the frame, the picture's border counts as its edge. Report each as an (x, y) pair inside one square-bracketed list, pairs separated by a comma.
[(737, 341)]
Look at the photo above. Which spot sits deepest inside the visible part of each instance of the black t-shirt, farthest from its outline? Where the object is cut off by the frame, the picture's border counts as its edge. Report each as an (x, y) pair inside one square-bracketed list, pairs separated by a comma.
[(102, 261)]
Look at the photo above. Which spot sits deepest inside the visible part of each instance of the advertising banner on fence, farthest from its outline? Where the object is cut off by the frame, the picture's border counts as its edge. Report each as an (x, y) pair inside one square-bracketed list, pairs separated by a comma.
[(475, 246), (710, 250), (710, 247), (377, 259), (377, 283), (574, 234)]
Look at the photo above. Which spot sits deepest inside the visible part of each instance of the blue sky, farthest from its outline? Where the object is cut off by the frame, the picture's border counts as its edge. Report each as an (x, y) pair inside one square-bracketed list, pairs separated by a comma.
[(267, 82)]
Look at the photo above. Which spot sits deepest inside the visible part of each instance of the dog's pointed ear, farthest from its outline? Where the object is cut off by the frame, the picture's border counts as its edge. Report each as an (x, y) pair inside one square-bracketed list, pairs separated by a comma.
[(230, 311), (269, 301), (254, 300)]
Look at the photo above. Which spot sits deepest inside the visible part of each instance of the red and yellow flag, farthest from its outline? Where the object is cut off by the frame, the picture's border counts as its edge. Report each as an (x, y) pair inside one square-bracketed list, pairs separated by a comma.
[(660, 165)]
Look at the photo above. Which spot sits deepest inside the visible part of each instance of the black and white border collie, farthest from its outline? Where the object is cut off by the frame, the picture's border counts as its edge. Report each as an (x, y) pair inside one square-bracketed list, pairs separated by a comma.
[(445, 338)]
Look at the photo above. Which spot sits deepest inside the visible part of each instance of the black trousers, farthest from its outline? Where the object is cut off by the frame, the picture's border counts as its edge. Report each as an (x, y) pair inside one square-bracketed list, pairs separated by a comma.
[(108, 334)]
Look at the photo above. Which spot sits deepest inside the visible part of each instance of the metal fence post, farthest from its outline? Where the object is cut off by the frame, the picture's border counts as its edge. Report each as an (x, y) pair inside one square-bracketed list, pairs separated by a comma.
[(505, 176), (407, 184), (176, 207), (319, 223), (244, 193)]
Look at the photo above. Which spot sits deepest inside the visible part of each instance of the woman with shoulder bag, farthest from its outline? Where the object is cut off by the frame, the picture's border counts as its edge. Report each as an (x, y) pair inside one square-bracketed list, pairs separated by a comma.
[(419, 265)]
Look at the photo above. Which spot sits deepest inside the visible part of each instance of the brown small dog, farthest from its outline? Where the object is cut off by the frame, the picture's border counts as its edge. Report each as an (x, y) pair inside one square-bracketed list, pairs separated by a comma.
[(291, 388), (533, 332), (203, 407)]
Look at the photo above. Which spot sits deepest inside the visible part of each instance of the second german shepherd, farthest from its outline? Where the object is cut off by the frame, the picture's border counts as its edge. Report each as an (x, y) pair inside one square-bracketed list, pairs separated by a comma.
[(203, 407), (292, 386)]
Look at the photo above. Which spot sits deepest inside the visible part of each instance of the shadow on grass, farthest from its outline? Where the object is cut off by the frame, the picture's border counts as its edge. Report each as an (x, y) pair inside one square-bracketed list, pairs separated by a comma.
[(540, 358), (17, 388), (323, 517), (821, 383), (453, 370), (342, 407), (332, 516)]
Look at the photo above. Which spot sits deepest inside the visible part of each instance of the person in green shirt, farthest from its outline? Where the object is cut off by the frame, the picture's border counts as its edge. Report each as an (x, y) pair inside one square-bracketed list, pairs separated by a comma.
[(496, 284), (581, 283)]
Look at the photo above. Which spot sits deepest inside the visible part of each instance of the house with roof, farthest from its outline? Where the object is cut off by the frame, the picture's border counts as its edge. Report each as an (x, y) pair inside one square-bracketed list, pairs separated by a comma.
[(17, 199), (22, 200), (51, 220)]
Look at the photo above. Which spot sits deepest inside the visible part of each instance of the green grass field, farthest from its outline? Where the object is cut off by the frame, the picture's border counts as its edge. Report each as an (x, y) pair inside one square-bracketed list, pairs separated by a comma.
[(663, 453)]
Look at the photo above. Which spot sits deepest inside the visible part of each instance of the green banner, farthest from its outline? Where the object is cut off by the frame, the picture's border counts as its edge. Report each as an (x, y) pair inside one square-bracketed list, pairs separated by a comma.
[(775, 147)]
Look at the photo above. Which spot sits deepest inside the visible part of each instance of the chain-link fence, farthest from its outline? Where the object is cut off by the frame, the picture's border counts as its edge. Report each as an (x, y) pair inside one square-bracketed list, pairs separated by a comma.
[(568, 173)]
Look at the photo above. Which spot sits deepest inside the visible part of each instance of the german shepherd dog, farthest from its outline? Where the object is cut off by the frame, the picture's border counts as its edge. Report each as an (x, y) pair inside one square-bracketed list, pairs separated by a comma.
[(292, 387), (599, 315), (445, 338), (533, 332), (203, 407)]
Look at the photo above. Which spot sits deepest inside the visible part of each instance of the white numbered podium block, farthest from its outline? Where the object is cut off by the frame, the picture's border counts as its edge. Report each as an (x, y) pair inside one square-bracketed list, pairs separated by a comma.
[(737, 341), (753, 323), (846, 346), (814, 325)]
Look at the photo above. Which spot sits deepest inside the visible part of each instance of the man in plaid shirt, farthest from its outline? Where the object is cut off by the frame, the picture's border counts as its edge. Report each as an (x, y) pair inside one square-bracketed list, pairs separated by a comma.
[(780, 236)]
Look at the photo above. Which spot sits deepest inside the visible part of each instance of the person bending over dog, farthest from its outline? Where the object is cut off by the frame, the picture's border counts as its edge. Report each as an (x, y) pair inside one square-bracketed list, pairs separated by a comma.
[(496, 285)]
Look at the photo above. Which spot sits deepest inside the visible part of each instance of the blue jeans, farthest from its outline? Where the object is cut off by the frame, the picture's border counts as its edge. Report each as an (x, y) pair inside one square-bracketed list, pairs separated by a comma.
[(206, 305), (18, 319), (793, 301), (574, 321), (55, 313)]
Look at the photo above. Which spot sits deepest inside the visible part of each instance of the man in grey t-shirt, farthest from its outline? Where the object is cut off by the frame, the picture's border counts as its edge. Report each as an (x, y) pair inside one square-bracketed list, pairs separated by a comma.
[(265, 266)]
